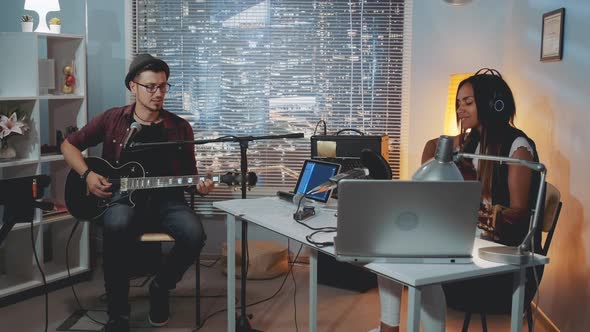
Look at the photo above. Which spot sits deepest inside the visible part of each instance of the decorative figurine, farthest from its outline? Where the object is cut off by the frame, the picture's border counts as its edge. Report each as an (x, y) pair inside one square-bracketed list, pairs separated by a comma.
[(70, 80)]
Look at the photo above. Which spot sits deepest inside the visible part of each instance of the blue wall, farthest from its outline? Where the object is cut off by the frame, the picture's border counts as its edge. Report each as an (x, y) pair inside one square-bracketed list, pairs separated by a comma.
[(106, 44), (106, 55)]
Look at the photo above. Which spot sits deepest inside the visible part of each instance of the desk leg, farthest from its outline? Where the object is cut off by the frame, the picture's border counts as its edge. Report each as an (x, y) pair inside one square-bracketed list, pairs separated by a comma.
[(313, 290), (414, 305), (517, 300), (231, 272)]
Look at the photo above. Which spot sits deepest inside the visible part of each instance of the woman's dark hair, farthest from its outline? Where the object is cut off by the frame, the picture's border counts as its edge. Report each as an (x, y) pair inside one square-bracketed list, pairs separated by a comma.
[(495, 111)]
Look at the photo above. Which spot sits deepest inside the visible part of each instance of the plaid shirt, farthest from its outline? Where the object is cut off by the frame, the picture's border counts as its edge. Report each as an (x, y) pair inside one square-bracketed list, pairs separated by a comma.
[(111, 128)]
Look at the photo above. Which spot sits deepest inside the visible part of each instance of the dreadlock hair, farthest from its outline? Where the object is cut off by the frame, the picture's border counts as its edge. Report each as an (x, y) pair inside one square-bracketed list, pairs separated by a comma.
[(495, 111)]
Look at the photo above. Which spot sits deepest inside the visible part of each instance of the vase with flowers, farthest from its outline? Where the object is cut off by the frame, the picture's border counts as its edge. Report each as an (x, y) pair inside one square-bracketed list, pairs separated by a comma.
[(10, 124)]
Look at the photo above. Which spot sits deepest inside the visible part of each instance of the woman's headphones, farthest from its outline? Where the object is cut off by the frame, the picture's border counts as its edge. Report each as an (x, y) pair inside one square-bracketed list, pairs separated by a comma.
[(497, 102)]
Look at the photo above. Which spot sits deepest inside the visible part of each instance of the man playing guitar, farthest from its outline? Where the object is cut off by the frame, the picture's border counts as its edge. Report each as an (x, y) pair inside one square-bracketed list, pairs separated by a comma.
[(147, 79)]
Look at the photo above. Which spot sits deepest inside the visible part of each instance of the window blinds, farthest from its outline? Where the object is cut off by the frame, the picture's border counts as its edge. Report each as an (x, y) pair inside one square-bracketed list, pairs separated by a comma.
[(254, 68)]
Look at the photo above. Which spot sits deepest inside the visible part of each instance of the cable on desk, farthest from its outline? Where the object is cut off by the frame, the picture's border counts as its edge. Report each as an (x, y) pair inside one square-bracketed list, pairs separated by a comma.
[(309, 239), (316, 230)]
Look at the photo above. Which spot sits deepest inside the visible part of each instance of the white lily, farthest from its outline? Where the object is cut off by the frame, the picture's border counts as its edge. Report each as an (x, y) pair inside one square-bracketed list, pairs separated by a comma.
[(10, 125)]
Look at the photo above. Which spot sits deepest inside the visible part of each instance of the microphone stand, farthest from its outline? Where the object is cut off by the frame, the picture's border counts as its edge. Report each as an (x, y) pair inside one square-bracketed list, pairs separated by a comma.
[(242, 322)]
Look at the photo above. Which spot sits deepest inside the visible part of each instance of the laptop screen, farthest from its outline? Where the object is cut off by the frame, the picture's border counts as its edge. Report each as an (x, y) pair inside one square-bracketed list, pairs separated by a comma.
[(314, 173)]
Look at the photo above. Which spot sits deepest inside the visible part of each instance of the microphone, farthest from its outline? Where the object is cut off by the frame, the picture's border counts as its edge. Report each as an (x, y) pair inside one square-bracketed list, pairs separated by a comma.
[(295, 135), (375, 167), (332, 183), (133, 130)]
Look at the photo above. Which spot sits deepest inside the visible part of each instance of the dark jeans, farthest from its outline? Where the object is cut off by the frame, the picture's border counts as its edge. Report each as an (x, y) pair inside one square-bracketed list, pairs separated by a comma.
[(123, 224)]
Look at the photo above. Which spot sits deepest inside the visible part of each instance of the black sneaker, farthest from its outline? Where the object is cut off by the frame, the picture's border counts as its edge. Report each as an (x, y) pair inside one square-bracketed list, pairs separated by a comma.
[(117, 324), (159, 305)]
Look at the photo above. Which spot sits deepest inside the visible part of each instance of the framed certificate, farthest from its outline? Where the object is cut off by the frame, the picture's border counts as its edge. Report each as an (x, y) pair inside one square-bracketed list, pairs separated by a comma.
[(552, 35)]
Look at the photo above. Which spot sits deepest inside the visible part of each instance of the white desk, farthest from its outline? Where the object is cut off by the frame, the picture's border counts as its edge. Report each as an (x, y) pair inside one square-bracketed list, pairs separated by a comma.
[(277, 216)]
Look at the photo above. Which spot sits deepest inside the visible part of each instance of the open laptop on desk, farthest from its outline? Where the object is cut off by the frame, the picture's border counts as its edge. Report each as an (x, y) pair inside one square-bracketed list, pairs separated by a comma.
[(313, 173), (406, 221)]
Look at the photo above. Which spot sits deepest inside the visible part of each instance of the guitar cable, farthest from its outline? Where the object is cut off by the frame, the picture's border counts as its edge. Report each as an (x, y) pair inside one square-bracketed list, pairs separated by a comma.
[(291, 265), (72, 285), (42, 276), (295, 292)]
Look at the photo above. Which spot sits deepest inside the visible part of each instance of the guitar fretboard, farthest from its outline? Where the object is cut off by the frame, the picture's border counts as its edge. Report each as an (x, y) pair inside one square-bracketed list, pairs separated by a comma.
[(157, 182)]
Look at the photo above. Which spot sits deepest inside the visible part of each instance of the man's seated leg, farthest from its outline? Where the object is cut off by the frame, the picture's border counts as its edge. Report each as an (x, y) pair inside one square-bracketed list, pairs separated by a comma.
[(180, 222), (117, 241)]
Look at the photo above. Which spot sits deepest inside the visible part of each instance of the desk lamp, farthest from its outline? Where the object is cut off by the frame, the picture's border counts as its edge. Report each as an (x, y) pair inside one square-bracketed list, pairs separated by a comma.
[(42, 7), (442, 167)]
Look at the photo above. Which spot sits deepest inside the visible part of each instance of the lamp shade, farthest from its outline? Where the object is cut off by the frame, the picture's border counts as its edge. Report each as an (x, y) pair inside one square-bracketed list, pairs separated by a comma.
[(42, 7), (442, 166), (36, 5)]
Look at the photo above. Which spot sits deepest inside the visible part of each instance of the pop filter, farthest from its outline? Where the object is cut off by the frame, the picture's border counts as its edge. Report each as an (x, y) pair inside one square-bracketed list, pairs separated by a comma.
[(378, 167)]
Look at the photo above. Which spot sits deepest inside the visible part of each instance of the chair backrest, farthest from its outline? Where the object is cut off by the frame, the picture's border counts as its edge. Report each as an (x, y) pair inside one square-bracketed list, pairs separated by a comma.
[(552, 209)]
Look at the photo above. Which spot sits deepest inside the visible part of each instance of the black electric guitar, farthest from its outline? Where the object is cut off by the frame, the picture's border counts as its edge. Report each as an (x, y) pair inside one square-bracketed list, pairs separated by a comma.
[(125, 180)]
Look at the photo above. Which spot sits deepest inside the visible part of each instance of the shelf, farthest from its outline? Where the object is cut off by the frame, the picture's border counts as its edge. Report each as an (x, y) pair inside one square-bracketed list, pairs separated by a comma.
[(32, 70), (59, 97), (14, 285), (51, 157), (57, 218), (64, 274), (17, 98), (18, 162), (59, 35), (24, 225)]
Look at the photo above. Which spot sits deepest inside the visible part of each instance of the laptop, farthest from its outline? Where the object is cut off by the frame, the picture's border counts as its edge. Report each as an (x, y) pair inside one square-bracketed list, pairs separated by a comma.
[(406, 221), (313, 173)]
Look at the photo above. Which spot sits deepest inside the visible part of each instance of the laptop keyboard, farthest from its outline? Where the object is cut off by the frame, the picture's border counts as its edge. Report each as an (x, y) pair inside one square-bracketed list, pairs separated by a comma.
[(346, 164)]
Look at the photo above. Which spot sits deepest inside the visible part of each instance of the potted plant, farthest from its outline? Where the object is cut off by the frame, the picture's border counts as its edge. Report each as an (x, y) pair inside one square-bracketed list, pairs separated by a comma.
[(55, 25), (27, 23)]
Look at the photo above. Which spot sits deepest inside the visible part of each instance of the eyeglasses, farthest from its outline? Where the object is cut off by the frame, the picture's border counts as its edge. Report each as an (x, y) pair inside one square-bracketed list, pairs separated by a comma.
[(152, 88)]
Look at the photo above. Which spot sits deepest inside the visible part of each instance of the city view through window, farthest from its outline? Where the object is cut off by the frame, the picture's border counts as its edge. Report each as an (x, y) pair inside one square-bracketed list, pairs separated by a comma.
[(257, 68)]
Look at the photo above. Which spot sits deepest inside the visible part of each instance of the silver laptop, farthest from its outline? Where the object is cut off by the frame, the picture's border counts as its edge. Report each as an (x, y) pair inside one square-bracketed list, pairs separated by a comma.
[(406, 221)]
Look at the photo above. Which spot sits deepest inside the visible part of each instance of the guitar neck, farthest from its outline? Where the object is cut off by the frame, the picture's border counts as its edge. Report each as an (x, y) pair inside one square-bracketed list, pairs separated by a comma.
[(158, 182)]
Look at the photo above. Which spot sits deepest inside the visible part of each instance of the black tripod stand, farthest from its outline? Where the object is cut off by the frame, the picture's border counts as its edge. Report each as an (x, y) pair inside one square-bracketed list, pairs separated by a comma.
[(242, 321)]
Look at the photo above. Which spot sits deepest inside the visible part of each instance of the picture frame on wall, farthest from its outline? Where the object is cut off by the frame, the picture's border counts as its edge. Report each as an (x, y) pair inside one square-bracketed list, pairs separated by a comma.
[(552, 35)]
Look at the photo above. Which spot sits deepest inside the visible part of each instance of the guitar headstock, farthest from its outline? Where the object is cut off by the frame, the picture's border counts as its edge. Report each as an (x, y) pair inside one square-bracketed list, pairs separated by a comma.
[(233, 179)]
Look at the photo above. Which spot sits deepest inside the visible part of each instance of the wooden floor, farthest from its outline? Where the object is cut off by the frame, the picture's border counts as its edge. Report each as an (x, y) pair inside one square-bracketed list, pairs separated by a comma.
[(338, 309)]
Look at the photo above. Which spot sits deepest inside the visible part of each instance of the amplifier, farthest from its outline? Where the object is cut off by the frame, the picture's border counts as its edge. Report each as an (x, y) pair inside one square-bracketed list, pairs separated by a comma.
[(349, 146)]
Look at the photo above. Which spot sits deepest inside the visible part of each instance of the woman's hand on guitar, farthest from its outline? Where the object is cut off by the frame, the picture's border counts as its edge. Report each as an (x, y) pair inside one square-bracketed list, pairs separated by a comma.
[(98, 185)]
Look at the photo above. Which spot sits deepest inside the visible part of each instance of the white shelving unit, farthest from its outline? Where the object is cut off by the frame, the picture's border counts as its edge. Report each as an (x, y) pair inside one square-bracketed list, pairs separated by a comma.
[(32, 76)]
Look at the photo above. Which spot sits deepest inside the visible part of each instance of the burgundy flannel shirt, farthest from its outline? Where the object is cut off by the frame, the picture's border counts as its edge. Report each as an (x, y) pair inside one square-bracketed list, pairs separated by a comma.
[(111, 128)]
